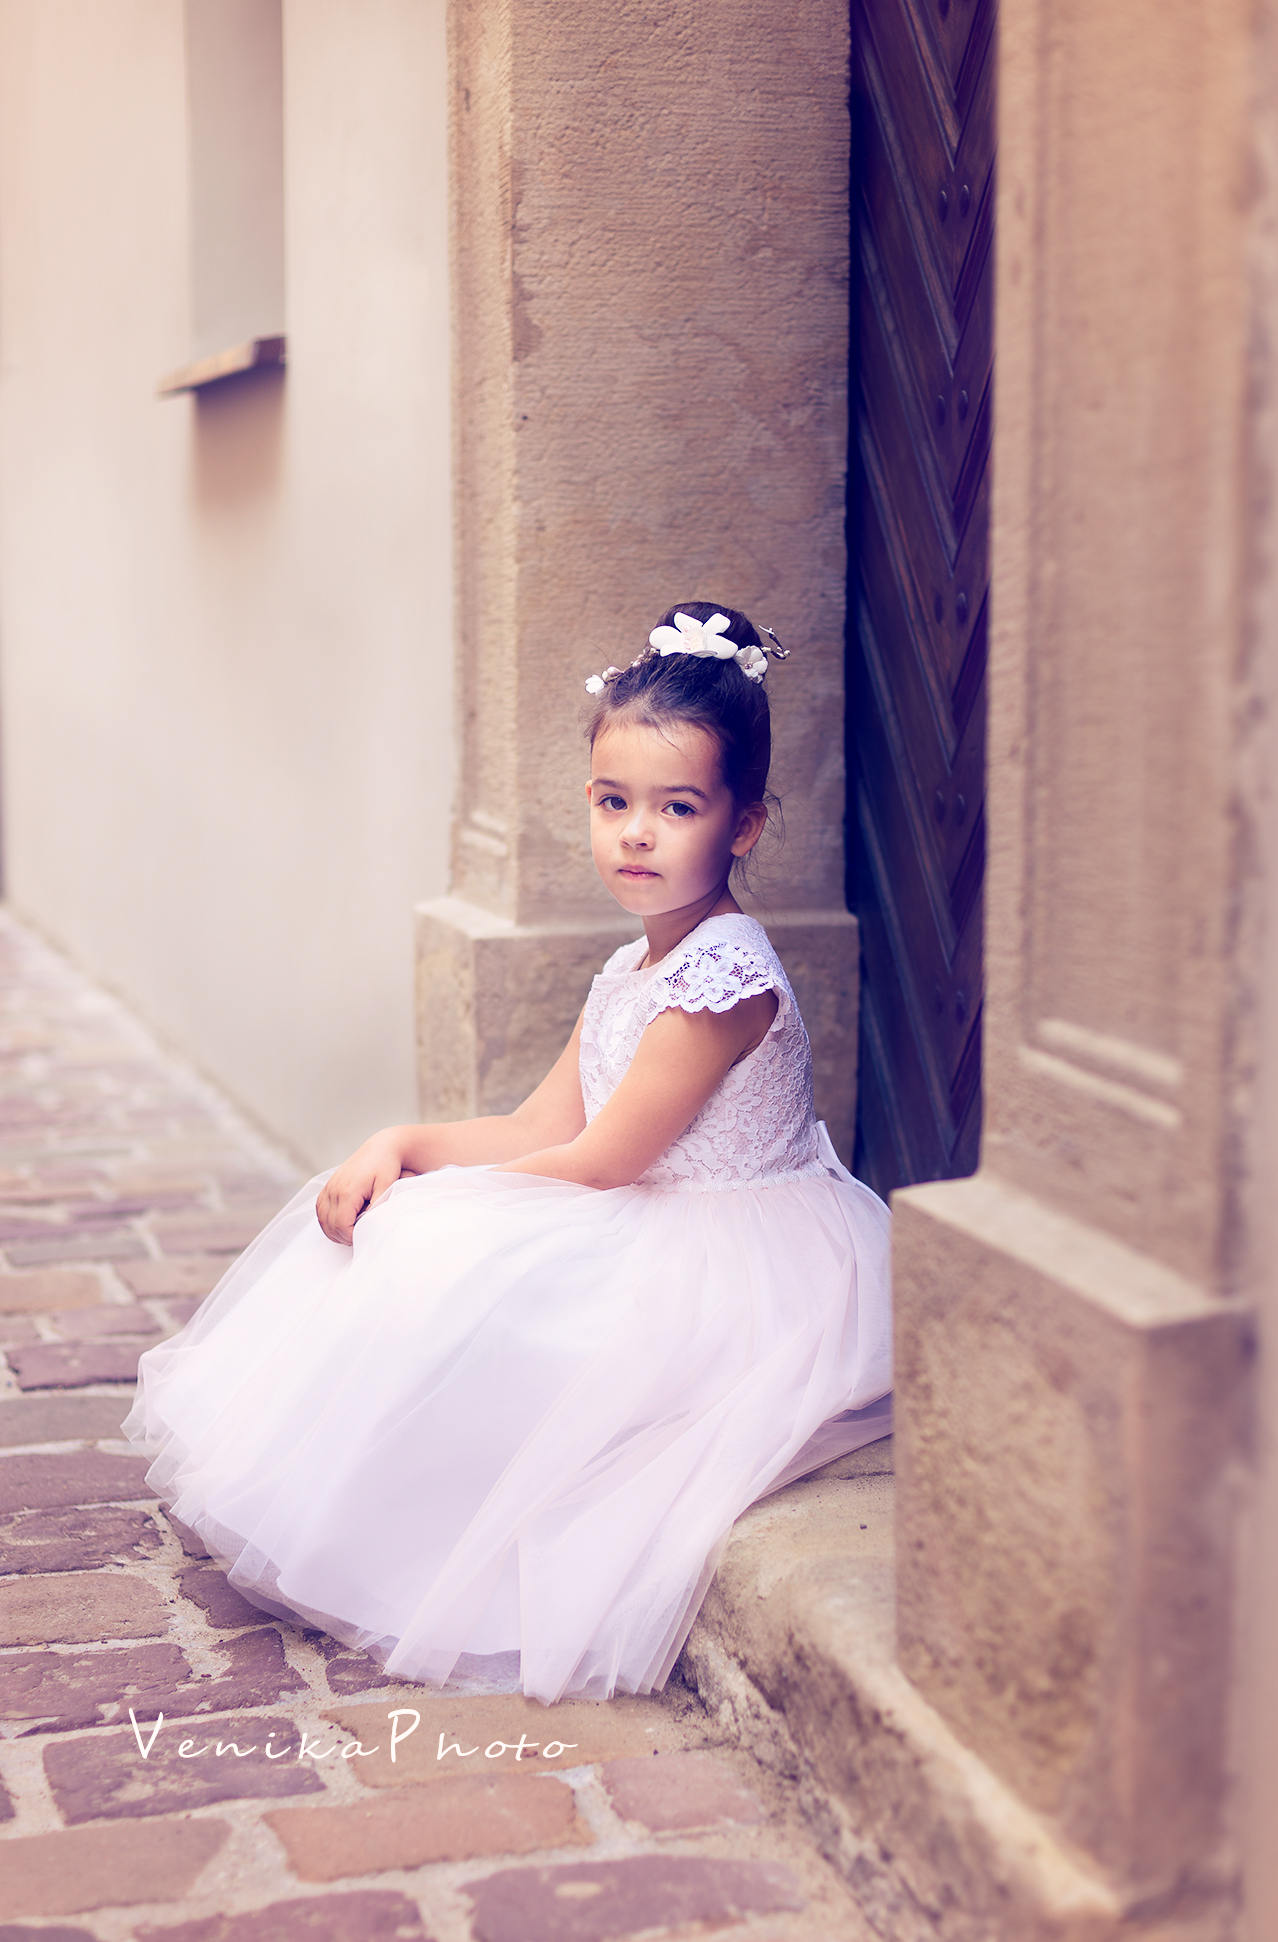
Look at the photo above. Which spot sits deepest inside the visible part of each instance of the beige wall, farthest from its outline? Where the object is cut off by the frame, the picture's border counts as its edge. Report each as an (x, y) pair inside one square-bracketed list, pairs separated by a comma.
[(225, 622)]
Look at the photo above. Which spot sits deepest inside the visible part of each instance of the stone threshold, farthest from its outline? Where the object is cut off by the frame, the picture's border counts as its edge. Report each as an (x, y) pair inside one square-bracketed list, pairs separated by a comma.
[(794, 1648)]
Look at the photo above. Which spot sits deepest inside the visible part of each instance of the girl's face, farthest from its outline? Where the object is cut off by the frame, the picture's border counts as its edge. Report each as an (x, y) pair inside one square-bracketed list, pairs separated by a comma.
[(663, 825)]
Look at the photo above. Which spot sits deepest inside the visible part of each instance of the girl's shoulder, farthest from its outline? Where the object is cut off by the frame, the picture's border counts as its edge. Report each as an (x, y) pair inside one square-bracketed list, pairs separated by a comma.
[(722, 960)]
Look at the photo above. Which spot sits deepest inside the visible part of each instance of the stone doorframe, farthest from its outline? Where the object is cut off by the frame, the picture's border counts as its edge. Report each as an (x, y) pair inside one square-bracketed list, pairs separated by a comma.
[(1073, 1330), (650, 304)]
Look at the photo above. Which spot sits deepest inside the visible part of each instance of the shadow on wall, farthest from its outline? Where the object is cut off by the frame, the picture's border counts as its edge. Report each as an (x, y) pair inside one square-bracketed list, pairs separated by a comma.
[(238, 440)]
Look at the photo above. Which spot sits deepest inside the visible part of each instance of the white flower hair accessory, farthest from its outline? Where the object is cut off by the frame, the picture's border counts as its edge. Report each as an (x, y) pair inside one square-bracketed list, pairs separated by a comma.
[(707, 638), (689, 636), (595, 685)]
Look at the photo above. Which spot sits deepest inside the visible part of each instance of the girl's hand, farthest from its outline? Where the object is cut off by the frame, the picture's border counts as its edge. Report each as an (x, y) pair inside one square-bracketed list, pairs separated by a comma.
[(357, 1183)]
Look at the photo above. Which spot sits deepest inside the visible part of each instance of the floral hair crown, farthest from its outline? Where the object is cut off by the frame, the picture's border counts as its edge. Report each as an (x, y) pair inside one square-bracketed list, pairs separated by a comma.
[(706, 637)]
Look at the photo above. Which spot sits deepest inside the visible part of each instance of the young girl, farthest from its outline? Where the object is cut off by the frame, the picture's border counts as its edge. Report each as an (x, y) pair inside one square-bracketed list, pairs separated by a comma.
[(488, 1405)]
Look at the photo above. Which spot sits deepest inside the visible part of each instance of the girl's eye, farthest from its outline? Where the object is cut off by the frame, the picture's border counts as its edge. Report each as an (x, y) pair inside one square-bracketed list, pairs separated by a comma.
[(682, 805), (605, 800)]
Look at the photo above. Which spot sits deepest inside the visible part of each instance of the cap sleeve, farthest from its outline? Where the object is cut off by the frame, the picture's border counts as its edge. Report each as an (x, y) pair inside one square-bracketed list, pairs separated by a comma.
[(714, 976)]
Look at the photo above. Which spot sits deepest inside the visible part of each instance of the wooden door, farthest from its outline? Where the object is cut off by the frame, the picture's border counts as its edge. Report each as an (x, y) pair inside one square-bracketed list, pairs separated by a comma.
[(923, 209)]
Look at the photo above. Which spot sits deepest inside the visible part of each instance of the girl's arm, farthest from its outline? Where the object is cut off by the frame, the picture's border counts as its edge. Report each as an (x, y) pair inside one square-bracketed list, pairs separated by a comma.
[(678, 1062), (553, 1112)]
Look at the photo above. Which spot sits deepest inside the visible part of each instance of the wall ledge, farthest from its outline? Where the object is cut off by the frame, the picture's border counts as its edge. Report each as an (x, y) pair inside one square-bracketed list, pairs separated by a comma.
[(254, 354)]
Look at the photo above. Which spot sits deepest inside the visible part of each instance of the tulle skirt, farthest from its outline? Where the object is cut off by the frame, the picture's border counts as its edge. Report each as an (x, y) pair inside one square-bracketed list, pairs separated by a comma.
[(504, 1436)]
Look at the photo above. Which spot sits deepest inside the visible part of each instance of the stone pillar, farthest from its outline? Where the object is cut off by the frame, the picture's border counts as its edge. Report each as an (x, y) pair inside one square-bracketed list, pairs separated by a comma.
[(1071, 1343), (650, 349)]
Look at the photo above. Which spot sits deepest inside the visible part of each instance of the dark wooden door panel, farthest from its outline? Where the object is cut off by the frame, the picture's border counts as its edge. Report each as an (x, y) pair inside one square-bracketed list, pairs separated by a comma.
[(923, 200)]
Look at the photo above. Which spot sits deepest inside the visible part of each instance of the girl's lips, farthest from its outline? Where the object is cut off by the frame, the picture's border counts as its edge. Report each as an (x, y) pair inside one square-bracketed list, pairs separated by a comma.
[(630, 870)]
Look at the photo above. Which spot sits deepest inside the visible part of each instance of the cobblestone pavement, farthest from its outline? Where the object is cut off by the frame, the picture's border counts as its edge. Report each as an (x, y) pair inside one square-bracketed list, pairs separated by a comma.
[(345, 1806)]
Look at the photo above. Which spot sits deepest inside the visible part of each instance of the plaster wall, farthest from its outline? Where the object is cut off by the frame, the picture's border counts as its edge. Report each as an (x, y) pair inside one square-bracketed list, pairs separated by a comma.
[(224, 618)]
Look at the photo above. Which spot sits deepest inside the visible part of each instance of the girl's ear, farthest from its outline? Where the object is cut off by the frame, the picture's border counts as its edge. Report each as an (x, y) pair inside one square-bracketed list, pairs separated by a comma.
[(749, 828)]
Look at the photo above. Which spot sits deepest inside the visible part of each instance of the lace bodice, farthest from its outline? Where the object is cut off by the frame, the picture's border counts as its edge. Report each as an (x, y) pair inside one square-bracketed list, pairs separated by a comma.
[(759, 1123)]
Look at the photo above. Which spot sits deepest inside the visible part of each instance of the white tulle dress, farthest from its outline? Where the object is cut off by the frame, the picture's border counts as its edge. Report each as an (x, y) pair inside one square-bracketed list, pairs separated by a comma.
[(501, 1439)]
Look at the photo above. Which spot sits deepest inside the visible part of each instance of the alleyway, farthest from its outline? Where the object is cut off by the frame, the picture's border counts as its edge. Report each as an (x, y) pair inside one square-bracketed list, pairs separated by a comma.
[(126, 1185)]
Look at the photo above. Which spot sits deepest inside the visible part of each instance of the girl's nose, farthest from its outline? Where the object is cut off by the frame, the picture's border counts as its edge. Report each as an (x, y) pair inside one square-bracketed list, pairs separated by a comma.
[(636, 827)]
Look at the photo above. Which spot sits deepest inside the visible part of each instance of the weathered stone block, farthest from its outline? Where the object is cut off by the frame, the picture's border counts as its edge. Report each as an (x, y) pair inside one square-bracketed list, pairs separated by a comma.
[(1048, 1487)]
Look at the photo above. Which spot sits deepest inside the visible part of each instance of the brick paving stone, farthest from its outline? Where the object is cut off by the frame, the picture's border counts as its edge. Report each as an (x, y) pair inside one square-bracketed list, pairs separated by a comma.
[(59, 1419), (588, 1731), (76, 1539), (31, 1190), (59, 1691), (256, 1673), (40, 1153), (239, 1187), (182, 1308), (79, 1607), (206, 1586), (472, 1816), (37, 1225), (126, 1774), (145, 1196), (17, 1330), (110, 1318), (73, 1365), (100, 1244), (106, 1212), (350, 1672), (26, 1932), (38, 1482), (189, 1540), (680, 1790), (176, 1274), (368, 1915), (44, 1288), (151, 1181), (217, 1234), (602, 1900), (81, 1868)]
